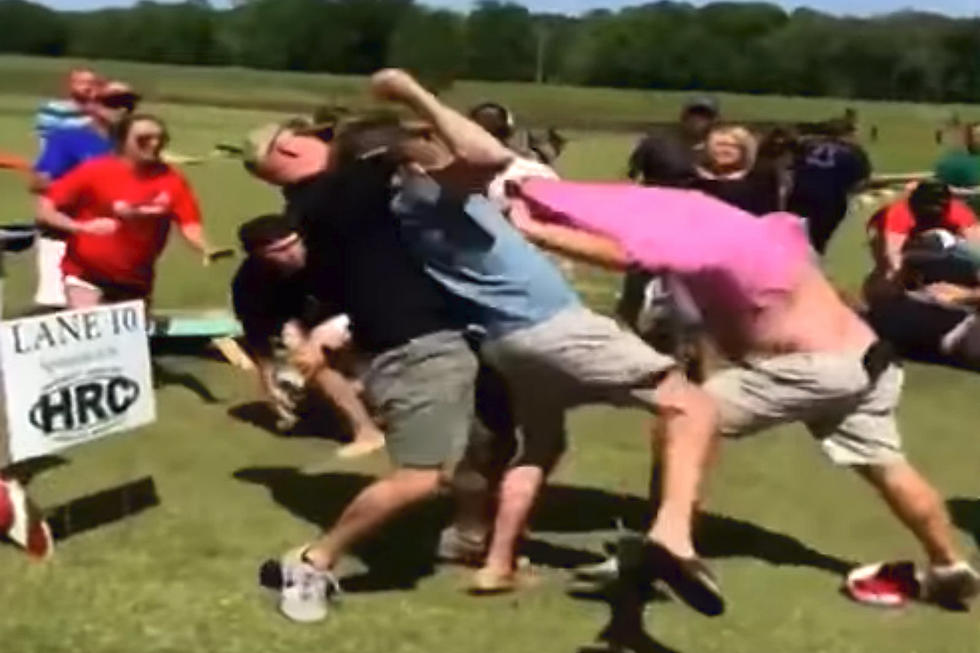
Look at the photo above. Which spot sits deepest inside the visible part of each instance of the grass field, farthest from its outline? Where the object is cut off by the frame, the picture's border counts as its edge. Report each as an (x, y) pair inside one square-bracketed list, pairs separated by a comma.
[(180, 576)]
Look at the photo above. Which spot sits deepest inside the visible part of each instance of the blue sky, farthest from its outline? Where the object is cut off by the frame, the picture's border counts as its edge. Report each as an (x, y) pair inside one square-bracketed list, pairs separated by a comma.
[(953, 7)]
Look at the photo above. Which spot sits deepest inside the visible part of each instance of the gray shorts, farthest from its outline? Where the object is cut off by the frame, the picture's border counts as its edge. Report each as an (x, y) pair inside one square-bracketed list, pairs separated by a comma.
[(576, 357), (853, 418), (423, 394)]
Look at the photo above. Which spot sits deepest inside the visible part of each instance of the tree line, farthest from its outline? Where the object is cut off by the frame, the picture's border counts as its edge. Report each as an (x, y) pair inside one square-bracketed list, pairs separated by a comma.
[(724, 46)]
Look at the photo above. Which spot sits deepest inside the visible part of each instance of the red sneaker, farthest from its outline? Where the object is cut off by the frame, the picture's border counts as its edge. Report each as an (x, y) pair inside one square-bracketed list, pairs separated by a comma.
[(21, 520), (883, 584)]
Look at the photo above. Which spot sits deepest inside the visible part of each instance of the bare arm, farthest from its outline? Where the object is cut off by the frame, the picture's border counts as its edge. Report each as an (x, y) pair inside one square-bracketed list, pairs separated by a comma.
[(573, 243), (893, 244), (950, 293), (38, 183), (193, 233), (468, 142), (972, 235), (266, 368), (49, 215)]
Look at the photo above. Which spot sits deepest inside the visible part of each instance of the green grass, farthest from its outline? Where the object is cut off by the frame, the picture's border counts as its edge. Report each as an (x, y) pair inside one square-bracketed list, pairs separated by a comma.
[(181, 576)]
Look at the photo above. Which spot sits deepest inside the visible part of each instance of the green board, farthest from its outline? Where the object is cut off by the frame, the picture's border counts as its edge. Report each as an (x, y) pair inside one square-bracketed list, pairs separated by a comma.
[(187, 323)]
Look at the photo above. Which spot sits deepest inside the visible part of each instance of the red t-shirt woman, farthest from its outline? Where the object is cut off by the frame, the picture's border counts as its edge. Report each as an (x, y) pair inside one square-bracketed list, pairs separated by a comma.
[(117, 210)]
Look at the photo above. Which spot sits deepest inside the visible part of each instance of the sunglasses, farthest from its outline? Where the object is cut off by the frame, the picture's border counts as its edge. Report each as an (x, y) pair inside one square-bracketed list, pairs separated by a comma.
[(153, 138)]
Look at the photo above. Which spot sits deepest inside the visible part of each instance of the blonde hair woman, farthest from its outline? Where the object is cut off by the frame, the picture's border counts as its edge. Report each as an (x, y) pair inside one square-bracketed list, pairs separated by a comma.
[(729, 172)]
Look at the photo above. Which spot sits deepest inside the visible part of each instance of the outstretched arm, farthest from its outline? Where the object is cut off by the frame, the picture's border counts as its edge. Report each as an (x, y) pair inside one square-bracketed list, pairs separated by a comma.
[(469, 143), (573, 243)]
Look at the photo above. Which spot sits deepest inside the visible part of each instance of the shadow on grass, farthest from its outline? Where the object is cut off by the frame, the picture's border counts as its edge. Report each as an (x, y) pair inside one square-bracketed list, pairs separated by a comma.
[(25, 470), (164, 376), (966, 514), (402, 552), (397, 557), (625, 630), (571, 508), (318, 420), (105, 507), (188, 346)]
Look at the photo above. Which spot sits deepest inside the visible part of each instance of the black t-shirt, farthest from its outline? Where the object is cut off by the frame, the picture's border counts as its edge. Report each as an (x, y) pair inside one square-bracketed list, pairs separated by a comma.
[(358, 262), (824, 173), (756, 193), (664, 158), (264, 299)]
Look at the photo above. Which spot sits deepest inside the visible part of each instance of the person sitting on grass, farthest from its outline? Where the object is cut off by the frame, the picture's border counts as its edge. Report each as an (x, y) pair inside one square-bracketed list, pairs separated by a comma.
[(121, 208), (930, 310), (929, 207), (800, 353), (271, 299)]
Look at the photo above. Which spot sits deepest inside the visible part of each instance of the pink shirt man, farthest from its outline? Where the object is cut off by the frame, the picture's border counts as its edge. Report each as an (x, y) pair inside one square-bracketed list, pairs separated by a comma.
[(733, 264)]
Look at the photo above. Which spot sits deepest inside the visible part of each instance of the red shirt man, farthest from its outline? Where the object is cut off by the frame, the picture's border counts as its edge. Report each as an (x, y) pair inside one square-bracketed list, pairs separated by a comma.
[(899, 219), (931, 205)]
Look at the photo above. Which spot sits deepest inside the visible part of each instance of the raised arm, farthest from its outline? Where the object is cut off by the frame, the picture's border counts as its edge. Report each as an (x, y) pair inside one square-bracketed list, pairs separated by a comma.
[(467, 141)]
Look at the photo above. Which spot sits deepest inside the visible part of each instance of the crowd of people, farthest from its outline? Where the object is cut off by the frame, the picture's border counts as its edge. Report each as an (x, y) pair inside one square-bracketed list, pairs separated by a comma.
[(405, 281), (422, 203), (105, 202)]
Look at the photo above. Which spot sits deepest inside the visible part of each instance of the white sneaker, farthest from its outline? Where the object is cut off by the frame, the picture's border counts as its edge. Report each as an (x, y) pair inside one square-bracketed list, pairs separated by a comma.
[(601, 572), (461, 548), (305, 592)]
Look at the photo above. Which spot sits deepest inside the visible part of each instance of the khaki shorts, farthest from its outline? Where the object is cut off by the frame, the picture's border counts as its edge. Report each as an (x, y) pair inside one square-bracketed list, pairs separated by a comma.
[(853, 418), (576, 357), (423, 394)]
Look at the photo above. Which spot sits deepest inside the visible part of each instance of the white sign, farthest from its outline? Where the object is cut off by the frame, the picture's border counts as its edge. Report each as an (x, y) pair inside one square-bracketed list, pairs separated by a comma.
[(75, 376)]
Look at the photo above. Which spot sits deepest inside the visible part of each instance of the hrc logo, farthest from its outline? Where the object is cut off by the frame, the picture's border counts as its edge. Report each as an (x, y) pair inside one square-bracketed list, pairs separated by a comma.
[(81, 407)]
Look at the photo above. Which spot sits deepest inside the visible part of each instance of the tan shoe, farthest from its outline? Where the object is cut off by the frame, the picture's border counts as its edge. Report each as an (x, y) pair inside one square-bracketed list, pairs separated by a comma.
[(361, 447), (488, 581)]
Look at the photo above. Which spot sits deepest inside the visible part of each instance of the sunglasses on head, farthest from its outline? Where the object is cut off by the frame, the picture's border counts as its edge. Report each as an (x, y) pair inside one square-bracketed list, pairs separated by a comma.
[(127, 102)]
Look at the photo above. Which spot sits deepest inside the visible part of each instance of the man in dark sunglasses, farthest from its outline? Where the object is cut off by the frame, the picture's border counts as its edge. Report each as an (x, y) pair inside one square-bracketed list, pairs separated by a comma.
[(63, 151)]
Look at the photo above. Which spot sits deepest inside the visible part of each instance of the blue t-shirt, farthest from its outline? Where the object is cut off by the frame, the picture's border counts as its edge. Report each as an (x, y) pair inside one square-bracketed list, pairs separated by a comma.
[(470, 248), (66, 149)]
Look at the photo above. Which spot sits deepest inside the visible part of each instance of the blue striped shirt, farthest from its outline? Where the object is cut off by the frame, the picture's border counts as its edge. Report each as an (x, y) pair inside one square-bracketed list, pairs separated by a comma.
[(59, 114)]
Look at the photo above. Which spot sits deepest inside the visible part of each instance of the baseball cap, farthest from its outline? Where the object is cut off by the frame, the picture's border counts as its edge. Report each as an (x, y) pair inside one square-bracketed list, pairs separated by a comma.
[(258, 142), (706, 103)]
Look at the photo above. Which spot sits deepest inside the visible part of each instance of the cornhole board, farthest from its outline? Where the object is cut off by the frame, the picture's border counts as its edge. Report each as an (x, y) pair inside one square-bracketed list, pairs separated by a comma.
[(217, 325)]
